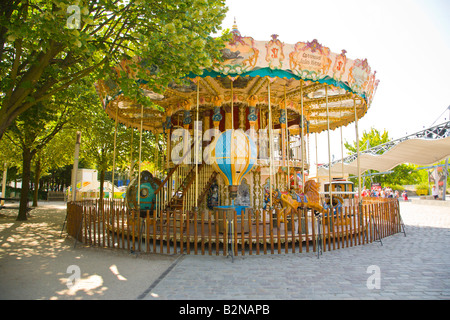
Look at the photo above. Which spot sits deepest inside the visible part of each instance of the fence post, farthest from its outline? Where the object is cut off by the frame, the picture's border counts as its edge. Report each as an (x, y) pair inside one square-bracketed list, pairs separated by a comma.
[(257, 231)]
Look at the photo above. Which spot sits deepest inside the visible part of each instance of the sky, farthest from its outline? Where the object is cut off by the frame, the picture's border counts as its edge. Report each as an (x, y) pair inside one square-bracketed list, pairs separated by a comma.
[(407, 42)]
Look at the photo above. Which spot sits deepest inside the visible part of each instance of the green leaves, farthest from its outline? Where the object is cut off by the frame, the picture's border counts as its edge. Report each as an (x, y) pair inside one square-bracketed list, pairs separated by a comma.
[(173, 36), (369, 139), (401, 175)]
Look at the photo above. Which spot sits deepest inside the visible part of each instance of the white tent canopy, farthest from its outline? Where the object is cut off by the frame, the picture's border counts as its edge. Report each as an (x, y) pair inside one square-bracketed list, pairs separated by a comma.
[(416, 151), (95, 186)]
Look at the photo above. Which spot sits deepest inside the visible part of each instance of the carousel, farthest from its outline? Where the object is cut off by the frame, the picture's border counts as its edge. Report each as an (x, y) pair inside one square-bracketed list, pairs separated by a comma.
[(238, 136)]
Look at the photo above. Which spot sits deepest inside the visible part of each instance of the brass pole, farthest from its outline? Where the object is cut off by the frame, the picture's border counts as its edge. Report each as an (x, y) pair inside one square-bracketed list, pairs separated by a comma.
[(140, 154), (232, 105), (357, 150), (287, 140), (342, 146), (317, 160), (196, 145), (131, 154), (329, 148), (114, 153), (302, 136), (342, 154), (168, 151), (232, 150), (270, 145)]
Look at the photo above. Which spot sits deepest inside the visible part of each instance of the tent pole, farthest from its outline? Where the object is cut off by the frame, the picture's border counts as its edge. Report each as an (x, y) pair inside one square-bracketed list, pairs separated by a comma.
[(445, 178)]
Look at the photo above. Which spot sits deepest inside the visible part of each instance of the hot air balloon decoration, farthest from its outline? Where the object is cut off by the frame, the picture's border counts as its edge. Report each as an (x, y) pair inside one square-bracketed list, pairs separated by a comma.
[(234, 155)]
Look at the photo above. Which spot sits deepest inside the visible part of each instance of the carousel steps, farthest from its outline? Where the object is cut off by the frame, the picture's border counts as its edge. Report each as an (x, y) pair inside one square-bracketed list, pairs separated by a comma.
[(177, 200)]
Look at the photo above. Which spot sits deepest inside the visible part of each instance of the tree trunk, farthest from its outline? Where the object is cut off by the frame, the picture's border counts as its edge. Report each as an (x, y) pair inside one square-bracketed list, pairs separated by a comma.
[(26, 165), (37, 176)]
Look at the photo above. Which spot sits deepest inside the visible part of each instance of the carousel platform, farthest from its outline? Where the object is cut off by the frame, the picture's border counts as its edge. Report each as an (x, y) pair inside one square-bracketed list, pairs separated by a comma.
[(209, 233)]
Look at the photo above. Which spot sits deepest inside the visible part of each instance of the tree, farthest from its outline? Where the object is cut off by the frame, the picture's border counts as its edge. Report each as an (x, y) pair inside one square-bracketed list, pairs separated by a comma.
[(31, 132), (369, 139), (57, 153), (402, 174), (48, 45), (97, 146), (34, 129)]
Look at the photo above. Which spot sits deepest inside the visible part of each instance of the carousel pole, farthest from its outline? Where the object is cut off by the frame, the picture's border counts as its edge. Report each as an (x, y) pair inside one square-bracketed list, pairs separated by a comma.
[(133, 248), (270, 145), (232, 105), (357, 150), (131, 154), (232, 149), (329, 148), (114, 154), (196, 146), (287, 141), (140, 155), (342, 145), (317, 160), (168, 146), (301, 137), (342, 154)]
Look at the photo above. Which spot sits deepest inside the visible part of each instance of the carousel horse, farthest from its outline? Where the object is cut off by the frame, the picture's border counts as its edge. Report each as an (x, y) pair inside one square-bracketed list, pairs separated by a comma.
[(337, 205), (309, 199), (276, 202), (276, 198)]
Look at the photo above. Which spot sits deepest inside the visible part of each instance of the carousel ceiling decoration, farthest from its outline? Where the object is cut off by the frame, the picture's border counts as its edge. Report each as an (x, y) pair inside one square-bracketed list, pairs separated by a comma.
[(305, 78)]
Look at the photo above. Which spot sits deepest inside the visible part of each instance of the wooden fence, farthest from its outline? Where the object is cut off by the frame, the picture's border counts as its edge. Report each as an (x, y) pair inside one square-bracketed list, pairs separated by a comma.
[(223, 232)]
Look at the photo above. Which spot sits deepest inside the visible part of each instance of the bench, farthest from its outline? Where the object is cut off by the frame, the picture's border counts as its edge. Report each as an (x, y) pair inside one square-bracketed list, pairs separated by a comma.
[(15, 199), (56, 196)]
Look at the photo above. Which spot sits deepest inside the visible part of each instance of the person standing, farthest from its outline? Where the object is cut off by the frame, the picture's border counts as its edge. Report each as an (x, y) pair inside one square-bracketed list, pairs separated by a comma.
[(405, 195), (435, 192)]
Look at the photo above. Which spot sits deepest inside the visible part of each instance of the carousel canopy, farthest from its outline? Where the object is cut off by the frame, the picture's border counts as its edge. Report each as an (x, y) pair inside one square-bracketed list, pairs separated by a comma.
[(304, 75)]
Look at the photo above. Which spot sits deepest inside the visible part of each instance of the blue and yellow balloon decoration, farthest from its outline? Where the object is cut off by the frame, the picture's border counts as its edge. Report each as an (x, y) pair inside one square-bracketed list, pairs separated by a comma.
[(233, 155)]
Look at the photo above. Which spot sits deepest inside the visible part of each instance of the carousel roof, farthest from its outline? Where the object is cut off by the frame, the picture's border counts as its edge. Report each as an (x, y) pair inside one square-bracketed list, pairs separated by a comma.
[(304, 73)]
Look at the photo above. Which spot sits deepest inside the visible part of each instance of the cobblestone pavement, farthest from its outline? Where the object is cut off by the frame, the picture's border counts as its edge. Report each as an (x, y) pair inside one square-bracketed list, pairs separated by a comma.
[(413, 267), (35, 262)]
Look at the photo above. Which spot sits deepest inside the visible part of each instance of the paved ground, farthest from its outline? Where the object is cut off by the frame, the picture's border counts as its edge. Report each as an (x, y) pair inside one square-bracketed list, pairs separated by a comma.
[(413, 267), (41, 265)]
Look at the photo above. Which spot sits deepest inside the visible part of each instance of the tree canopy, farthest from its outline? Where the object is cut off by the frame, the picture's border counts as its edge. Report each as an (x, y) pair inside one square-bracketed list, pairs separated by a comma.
[(48, 45), (368, 139)]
